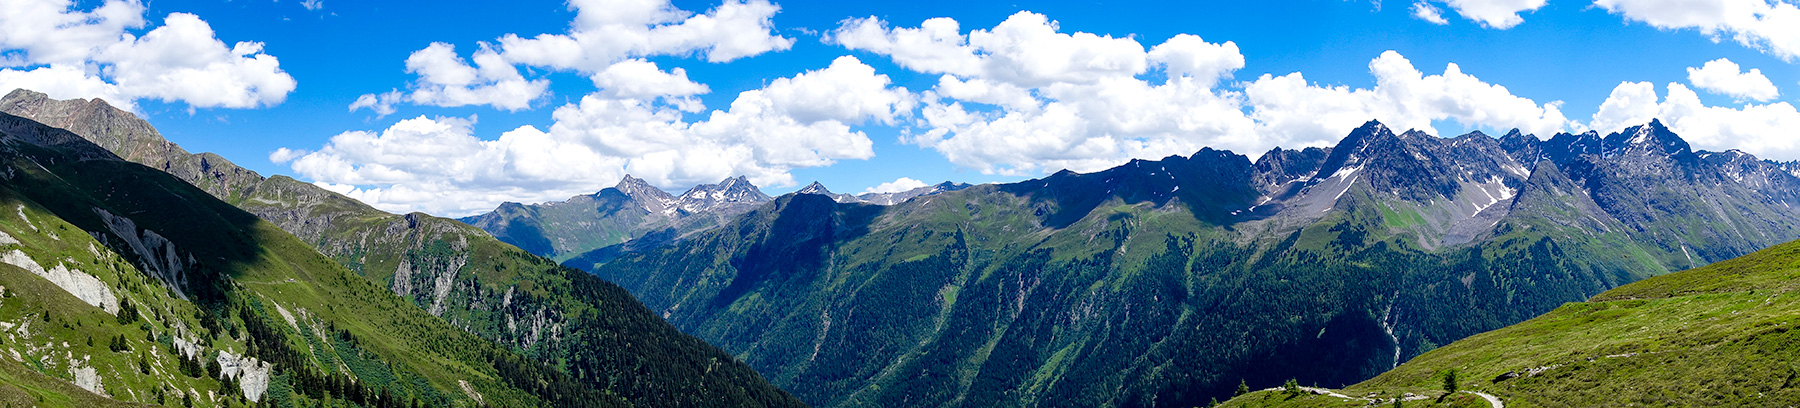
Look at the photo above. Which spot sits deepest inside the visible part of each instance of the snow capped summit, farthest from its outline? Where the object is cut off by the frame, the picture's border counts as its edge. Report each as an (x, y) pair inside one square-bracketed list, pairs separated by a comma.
[(731, 192)]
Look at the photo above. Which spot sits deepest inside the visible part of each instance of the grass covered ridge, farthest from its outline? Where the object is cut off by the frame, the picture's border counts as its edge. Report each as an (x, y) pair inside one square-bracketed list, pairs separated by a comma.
[(1719, 335)]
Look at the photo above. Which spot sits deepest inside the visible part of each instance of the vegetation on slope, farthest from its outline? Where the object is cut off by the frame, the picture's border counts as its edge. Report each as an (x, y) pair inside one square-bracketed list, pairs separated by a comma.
[(1718, 335), (196, 273), (1135, 286), (576, 325)]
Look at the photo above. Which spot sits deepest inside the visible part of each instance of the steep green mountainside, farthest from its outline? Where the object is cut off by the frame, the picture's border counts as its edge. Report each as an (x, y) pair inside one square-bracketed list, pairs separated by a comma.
[(1718, 335), (585, 327), (1168, 282), (135, 286)]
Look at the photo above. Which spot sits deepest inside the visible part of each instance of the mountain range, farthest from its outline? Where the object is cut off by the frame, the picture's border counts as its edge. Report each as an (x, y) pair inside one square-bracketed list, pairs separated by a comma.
[(612, 216), (551, 335), (589, 229), (136, 271), (1169, 282)]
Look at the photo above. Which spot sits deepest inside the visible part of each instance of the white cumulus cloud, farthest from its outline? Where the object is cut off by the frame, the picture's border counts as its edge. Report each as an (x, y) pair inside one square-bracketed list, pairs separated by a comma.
[(1497, 14), (1721, 76), (640, 79), (439, 165), (53, 47), (1188, 55), (898, 185), (1425, 11), (1771, 26), (1765, 130), (604, 33), (1024, 98), (445, 79), (1290, 110)]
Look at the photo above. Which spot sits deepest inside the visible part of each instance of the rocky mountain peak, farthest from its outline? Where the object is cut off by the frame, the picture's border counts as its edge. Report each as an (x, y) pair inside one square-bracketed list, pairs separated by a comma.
[(651, 198), (116, 130), (1565, 146), (1791, 167), (1279, 168), (1526, 149), (730, 192), (947, 186), (1652, 138), (815, 188), (1417, 166)]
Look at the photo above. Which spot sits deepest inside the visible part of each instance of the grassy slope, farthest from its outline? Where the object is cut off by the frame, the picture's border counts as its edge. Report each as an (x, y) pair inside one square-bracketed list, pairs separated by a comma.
[(237, 260), (1719, 335)]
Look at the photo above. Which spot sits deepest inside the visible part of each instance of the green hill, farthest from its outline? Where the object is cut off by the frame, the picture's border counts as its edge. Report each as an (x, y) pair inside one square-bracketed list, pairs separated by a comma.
[(1718, 335)]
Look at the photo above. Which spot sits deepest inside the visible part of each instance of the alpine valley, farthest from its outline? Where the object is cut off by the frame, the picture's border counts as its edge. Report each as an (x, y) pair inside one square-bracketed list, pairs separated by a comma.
[(1167, 282)]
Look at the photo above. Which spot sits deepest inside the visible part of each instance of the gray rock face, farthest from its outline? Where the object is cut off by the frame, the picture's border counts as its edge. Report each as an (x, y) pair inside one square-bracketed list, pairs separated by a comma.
[(1694, 207), (82, 285), (88, 379), (251, 374), (651, 199), (1280, 168), (1454, 189), (155, 254)]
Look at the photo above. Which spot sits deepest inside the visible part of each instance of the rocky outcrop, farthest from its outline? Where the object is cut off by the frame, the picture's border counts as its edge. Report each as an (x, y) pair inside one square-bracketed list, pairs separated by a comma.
[(251, 374), (155, 254), (87, 378), (84, 286)]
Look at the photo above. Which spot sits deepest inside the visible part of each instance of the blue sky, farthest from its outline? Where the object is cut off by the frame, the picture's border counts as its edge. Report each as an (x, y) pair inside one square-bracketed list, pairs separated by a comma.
[(1567, 56)]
